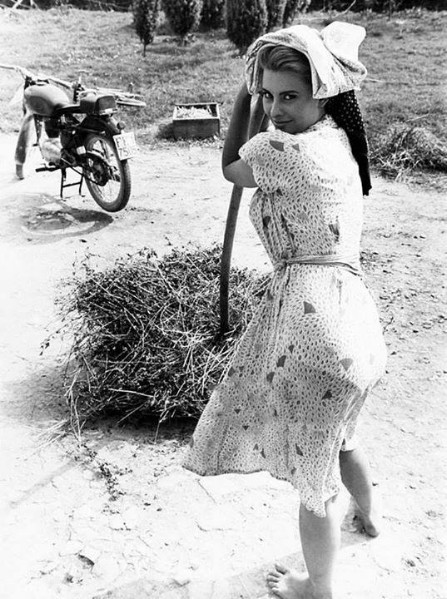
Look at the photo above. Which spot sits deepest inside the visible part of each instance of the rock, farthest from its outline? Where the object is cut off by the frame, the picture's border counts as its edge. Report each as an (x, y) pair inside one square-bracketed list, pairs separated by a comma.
[(134, 516), (48, 567), (201, 589), (59, 515), (90, 553), (71, 548), (172, 481), (182, 578), (84, 534), (219, 518), (116, 522), (107, 567), (85, 512), (218, 486), (222, 589)]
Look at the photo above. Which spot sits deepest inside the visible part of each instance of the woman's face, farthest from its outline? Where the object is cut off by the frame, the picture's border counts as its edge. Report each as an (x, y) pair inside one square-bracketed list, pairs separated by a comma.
[(288, 102)]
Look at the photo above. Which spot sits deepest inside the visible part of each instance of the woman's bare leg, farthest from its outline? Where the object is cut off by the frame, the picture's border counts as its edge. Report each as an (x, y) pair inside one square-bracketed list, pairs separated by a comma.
[(23, 142), (357, 479), (320, 539)]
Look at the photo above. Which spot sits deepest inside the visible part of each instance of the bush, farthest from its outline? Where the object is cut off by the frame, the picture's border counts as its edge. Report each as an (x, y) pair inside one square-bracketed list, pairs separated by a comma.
[(275, 13), (377, 5), (118, 5), (145, 333), (183, 15), (145, 20), (405, 149), (213, 14), (292, 8), (246, 20)]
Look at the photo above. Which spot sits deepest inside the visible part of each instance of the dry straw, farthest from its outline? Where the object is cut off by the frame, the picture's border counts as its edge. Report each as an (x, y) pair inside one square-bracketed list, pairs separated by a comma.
[(145, 333), (408, 148)]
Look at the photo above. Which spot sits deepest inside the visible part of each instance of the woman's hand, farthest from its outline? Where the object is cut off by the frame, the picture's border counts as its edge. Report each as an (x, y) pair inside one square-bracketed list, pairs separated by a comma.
[(235, 169), (237, 133), (239, 173)]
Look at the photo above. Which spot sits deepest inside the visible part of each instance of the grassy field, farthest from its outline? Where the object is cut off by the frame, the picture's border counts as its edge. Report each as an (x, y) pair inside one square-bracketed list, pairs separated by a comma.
[(405, 56)]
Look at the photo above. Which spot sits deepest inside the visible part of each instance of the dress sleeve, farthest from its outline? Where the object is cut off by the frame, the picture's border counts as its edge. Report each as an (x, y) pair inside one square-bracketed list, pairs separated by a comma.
[(269, 154), (249, 152)]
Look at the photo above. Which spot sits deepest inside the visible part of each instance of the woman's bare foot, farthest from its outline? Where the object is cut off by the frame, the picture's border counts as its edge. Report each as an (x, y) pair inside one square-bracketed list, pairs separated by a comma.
[(19, 171), (289, 584), (370, 522), (357, 479)]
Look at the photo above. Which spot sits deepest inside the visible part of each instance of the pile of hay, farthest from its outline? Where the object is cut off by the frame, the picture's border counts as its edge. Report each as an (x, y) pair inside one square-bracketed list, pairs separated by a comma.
[(145, 333), (405, 148)]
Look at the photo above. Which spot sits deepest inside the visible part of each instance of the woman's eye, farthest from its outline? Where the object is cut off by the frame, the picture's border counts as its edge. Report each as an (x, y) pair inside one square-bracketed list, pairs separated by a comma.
[(290, 97), (265, 95)]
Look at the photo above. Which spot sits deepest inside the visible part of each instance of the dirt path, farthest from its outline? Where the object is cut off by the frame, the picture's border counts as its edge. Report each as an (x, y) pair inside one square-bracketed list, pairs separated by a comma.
[(113, 514)]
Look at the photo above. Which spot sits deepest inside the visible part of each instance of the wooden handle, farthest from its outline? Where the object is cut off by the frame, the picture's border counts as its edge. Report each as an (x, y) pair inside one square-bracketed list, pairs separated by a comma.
[(257, 122)]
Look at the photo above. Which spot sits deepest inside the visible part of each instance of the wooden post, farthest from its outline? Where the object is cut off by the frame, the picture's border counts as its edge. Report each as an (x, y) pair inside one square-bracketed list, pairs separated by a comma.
[(225, 263), (257, 122)]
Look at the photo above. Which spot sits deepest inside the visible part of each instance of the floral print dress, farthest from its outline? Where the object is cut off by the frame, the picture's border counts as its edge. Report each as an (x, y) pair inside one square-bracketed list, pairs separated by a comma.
[(290, 398)]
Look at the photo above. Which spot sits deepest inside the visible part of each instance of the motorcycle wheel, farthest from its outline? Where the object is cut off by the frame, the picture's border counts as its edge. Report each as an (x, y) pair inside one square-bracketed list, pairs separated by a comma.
[(107, 177)]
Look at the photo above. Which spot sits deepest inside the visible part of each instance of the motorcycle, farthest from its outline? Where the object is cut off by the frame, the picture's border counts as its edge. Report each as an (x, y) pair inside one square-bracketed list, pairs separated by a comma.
[(78, 133)]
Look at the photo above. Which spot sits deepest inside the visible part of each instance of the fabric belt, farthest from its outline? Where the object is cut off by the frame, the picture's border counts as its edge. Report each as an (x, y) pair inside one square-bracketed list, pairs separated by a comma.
[(350, 262)]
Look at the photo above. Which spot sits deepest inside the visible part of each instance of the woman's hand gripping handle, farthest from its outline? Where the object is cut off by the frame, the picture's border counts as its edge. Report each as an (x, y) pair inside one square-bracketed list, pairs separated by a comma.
[(246, 120)]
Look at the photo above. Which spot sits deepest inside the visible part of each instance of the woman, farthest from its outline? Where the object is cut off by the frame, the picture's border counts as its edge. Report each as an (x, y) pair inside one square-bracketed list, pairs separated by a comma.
[(291, 396)]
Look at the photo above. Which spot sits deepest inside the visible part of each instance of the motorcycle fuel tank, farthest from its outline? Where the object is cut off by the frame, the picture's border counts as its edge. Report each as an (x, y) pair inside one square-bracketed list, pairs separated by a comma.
[(43, 99)]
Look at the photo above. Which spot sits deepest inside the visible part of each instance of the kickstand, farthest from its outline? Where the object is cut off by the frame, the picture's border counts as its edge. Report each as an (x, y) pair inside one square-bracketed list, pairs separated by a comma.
[(64, 184)]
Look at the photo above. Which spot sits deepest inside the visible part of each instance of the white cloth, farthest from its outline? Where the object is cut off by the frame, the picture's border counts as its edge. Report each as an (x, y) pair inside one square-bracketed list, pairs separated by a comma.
[(332, 54)]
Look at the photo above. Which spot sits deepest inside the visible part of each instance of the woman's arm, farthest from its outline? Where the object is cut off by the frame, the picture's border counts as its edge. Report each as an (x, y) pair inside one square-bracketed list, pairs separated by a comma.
[(234, 169)]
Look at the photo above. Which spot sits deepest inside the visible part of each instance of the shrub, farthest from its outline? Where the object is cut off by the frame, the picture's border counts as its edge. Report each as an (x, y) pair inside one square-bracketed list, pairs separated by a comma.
[(145, 333), (118, 5), (377, 5), (404, 149), (145, 20), (183, 15), (213, 14), (246, 20), (275, 13), (291, 9)]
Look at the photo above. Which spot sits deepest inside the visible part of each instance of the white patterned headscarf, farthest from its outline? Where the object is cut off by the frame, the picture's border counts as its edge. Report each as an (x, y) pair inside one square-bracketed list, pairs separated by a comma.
[(332, 54), (336, 74)]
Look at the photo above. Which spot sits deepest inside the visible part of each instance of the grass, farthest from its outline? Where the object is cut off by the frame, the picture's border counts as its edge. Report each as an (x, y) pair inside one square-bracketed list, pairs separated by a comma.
[(405, 149), (405, 56)]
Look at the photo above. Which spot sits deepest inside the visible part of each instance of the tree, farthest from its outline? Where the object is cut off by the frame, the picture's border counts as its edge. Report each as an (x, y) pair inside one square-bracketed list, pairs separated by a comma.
[(213, 14), (183, 15), (275, 12), (246, 20), (292, 8), (145, 19)]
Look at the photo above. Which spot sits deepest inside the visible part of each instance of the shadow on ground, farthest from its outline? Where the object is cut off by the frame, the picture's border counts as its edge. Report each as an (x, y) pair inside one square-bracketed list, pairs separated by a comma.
[(56, 220), (42, 218)]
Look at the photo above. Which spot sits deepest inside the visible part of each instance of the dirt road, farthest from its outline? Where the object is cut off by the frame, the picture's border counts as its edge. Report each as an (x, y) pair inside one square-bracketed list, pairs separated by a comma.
[(112, 514)]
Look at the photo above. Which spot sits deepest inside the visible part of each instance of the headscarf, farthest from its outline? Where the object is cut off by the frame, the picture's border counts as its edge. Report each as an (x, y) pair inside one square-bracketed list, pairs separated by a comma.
[(336, 74)]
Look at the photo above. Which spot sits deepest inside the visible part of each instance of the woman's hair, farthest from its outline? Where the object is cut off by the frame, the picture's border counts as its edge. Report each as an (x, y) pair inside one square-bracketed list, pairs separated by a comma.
[(283, 58)]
